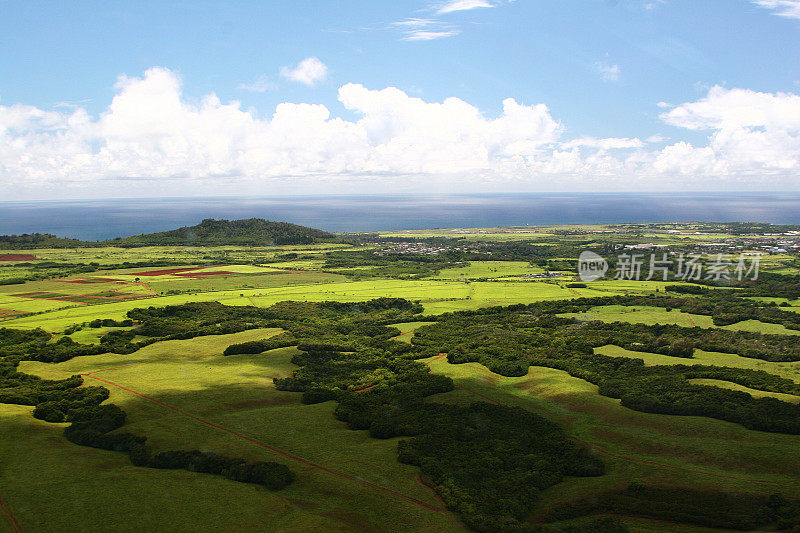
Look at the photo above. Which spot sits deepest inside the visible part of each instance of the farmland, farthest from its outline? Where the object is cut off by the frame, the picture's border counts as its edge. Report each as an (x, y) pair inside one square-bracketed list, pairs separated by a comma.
[(180, 392)]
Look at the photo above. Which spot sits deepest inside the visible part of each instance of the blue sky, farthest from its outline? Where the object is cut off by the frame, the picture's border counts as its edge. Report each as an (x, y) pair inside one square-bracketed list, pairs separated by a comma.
[(674, 78)]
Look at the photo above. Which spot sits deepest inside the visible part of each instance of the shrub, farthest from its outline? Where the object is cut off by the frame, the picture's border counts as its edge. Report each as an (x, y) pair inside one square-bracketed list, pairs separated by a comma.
[(49, 412), (274, 476)]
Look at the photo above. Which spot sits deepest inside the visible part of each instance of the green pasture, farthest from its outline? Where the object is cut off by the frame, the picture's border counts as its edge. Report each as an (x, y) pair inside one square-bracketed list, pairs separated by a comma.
[(659, 315), (643, 315), (235, 392), (489, 269), (752, 392), (789, 370), (277, 278)]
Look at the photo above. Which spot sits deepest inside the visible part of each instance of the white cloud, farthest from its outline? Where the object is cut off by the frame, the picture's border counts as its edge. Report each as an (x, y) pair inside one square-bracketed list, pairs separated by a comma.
[(429, 35), (608, 143), (726, 108), (261, 84), (654, 4), (153, 137), (608, 72), (309, 71), (416, 29), (414, 23), (783, 8), (462, 5), (751, 132)]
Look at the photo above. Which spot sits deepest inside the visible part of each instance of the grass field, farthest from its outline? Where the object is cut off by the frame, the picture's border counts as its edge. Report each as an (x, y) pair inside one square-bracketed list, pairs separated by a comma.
[(490, 269), (234, 392), (659, 315), (437, 296), (752, 392), (786, 370)]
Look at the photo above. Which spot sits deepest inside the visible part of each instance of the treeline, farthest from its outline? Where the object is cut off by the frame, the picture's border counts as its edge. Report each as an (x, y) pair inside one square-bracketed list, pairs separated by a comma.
[(743, 512), (271, 475), (770, 284), (29, 241)]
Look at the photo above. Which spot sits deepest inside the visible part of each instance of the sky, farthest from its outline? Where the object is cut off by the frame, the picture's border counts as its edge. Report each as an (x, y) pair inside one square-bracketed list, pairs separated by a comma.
[(146, 98)]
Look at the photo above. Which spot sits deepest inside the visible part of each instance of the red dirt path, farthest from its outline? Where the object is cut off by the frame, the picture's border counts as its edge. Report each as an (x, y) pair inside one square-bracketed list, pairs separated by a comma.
[(8, 514), (17, 257)]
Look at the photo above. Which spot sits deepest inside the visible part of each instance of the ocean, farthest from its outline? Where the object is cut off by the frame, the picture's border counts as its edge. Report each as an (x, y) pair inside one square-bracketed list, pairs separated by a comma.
[(106, 219)]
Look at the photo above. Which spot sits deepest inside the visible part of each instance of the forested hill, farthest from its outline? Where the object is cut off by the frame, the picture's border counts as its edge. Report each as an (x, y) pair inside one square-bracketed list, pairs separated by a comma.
[(252, 231), (210, 232)]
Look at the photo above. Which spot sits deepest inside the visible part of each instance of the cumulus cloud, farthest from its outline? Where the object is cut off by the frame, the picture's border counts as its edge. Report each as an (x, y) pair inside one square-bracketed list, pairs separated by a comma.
[(751, 132), (783, 8), (150, 133), (309, 71), (462, 5)]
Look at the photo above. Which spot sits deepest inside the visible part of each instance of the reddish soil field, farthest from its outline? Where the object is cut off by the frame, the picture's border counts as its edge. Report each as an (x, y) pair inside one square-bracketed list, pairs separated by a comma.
[(89, 280), (205, 274), (17, 257), (6, 313), (83, 298), (37, 294)]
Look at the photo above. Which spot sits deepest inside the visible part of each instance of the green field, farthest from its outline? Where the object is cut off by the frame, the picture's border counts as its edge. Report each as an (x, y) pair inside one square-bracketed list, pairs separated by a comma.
[(235, 392)]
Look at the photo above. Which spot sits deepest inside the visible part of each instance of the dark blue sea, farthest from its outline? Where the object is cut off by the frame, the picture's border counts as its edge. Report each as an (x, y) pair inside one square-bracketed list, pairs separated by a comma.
[(104, 219)]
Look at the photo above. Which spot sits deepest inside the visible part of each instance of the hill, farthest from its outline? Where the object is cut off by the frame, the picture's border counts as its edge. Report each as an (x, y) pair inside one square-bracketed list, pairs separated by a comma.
[(211, 232)]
